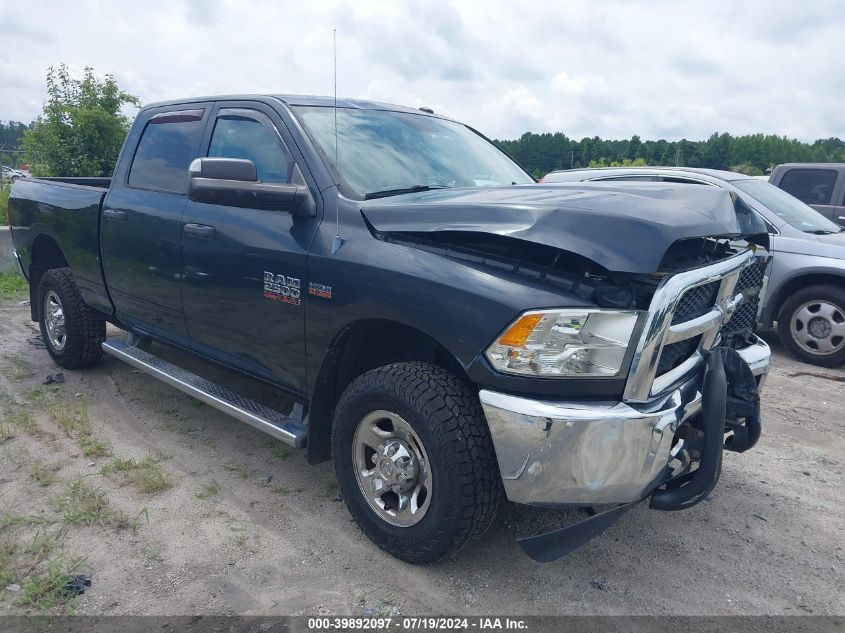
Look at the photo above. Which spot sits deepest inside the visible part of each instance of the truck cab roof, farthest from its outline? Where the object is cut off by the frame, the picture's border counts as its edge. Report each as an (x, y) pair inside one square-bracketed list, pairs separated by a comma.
[(298, 100)]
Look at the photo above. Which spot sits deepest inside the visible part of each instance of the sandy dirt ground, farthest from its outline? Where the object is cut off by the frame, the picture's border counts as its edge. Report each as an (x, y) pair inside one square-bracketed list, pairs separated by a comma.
[(246, 526)]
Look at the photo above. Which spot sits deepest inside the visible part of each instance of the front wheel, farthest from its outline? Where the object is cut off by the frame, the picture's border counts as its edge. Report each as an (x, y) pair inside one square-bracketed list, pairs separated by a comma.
[(415, 460), (72, 332), (811, 325)]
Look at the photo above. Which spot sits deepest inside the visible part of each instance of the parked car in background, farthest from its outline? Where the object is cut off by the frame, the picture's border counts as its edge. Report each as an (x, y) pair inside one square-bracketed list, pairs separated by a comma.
[(821, 185), (804, 295), (9, 173)]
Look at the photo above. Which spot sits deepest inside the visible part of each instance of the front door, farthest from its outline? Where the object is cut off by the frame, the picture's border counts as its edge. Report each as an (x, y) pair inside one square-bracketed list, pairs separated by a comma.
[(244, 269)]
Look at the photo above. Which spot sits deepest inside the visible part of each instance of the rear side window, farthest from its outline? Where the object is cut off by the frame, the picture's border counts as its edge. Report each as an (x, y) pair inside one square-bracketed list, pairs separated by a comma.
[(243, 137), (168, 145), (813, 186)]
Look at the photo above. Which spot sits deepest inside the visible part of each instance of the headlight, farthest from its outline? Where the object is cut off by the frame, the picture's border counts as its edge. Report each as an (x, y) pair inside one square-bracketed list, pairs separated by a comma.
[(562, 343)]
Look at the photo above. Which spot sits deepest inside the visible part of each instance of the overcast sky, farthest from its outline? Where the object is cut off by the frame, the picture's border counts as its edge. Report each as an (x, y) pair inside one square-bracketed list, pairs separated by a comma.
[(660, 69)]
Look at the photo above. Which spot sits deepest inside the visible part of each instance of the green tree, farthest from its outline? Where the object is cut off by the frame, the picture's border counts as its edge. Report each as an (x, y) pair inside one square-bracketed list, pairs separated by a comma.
[(81, 129)]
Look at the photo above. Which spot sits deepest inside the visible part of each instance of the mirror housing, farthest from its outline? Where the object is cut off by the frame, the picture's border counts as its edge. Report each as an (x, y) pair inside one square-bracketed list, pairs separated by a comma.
[(234, 182), (224, 169)]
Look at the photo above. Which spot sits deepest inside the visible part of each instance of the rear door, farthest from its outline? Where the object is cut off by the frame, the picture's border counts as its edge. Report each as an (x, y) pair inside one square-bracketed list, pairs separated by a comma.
[(141, 227), (244, 269), (815, 186)]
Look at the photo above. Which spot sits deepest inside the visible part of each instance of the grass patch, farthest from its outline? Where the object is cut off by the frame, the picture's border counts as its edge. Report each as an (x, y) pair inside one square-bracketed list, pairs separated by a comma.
[(76, 424), (9, 547), (28, 564), (6, 432), (23, 420), (44, 590), (17, 455), (43, 543), (282, 452), (13, 286), (83, 504), (37, 396), (17, 368), (8, 519), (44, 474), (5, 190), (146, 476), (208, 490), (236, 468)]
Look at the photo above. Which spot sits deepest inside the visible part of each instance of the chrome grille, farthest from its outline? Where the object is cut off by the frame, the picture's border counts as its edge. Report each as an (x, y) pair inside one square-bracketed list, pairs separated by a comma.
[(685, 316), (696, 302), (674, 354), (750, 284)]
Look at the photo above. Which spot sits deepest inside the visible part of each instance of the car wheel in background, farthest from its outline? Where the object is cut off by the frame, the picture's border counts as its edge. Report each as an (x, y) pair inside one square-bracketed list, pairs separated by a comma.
[(811, 325)]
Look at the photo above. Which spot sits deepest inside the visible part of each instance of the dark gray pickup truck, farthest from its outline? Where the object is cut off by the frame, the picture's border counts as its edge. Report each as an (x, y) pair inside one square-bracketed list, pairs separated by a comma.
[(448, 331)]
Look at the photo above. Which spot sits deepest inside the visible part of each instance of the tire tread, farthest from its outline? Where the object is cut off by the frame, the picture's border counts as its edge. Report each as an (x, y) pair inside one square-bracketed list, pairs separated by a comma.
[(454, 416), (86, 330)]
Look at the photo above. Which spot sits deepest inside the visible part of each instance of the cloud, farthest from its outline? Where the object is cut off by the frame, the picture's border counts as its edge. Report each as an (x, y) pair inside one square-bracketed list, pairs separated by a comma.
[(613, 69)]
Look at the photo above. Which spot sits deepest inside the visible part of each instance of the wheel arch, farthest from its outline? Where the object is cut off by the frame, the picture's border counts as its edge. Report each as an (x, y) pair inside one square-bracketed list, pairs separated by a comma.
[(803, 280), (45, 255), (361, 346)]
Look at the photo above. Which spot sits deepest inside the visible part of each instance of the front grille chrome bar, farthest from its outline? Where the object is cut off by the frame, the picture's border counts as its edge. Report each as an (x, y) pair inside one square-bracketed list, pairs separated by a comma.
[(658, 331)]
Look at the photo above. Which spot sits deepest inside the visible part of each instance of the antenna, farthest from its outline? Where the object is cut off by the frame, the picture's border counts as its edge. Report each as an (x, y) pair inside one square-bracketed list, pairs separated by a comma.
[(338, 240)]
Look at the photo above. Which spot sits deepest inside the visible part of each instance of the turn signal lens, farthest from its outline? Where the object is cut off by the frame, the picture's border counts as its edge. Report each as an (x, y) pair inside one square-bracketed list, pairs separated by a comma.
[(518, 333)]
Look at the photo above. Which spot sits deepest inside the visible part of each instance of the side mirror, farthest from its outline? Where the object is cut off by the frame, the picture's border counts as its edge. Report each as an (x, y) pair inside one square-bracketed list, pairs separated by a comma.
[(234, 182)]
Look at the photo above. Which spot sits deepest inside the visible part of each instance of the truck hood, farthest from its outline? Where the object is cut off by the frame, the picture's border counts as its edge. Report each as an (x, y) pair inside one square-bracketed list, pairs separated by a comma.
[(622, 227)]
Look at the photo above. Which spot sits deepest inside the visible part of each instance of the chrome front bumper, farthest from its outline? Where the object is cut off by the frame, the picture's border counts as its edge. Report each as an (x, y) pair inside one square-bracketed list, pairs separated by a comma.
[(554, 453)]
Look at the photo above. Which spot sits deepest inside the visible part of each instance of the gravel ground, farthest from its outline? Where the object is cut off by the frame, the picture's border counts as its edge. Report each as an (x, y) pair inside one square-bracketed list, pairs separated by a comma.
[(247, 527)]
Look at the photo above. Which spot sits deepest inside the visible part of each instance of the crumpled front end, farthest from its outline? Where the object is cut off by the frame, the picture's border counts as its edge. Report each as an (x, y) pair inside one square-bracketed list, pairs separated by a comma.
[(590, 453)]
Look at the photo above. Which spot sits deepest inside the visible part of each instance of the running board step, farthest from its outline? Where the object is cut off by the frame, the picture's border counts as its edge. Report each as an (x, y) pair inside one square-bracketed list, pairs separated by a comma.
[(288, 428)]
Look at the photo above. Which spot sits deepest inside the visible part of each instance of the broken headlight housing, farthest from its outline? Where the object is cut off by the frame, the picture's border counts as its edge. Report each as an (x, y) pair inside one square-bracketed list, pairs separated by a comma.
[(584, 342)]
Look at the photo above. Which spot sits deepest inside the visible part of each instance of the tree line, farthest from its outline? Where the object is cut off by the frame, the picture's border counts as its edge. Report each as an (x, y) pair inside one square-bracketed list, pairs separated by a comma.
[(751, 154), (82, 126)]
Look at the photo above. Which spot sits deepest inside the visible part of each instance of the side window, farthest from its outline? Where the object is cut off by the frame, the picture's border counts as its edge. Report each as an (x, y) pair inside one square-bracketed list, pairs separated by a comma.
[(813, 186), (683, 181), (237, 136), (168, 144)]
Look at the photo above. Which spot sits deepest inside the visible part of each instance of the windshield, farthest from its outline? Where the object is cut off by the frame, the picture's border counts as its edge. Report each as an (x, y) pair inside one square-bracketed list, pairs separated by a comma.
[(385, 152), (787, 207)]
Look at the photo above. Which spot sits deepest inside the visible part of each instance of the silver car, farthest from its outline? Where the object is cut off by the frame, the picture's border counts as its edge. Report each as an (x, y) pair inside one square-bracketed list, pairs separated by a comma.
[(805, 291)]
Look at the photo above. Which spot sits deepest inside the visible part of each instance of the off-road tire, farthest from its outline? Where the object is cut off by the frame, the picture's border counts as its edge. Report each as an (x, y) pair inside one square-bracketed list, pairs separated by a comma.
[(85, 328), (446, 415), (821, 292)]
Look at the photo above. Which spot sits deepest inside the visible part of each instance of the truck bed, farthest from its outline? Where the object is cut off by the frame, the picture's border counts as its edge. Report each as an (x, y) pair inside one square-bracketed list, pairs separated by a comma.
[(63, 213)]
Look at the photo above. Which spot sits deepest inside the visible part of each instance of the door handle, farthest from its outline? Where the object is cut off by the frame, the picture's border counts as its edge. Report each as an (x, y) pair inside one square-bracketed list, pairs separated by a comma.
[(115, 215), (203, 231)]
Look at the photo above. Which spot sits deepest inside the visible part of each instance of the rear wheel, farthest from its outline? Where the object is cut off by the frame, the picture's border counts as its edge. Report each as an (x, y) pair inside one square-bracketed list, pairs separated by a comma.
[(811, 325), (415, 460), (72, 332)]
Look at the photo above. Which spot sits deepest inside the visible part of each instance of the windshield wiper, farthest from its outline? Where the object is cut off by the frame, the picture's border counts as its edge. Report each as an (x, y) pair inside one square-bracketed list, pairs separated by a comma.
[(396, 192)]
